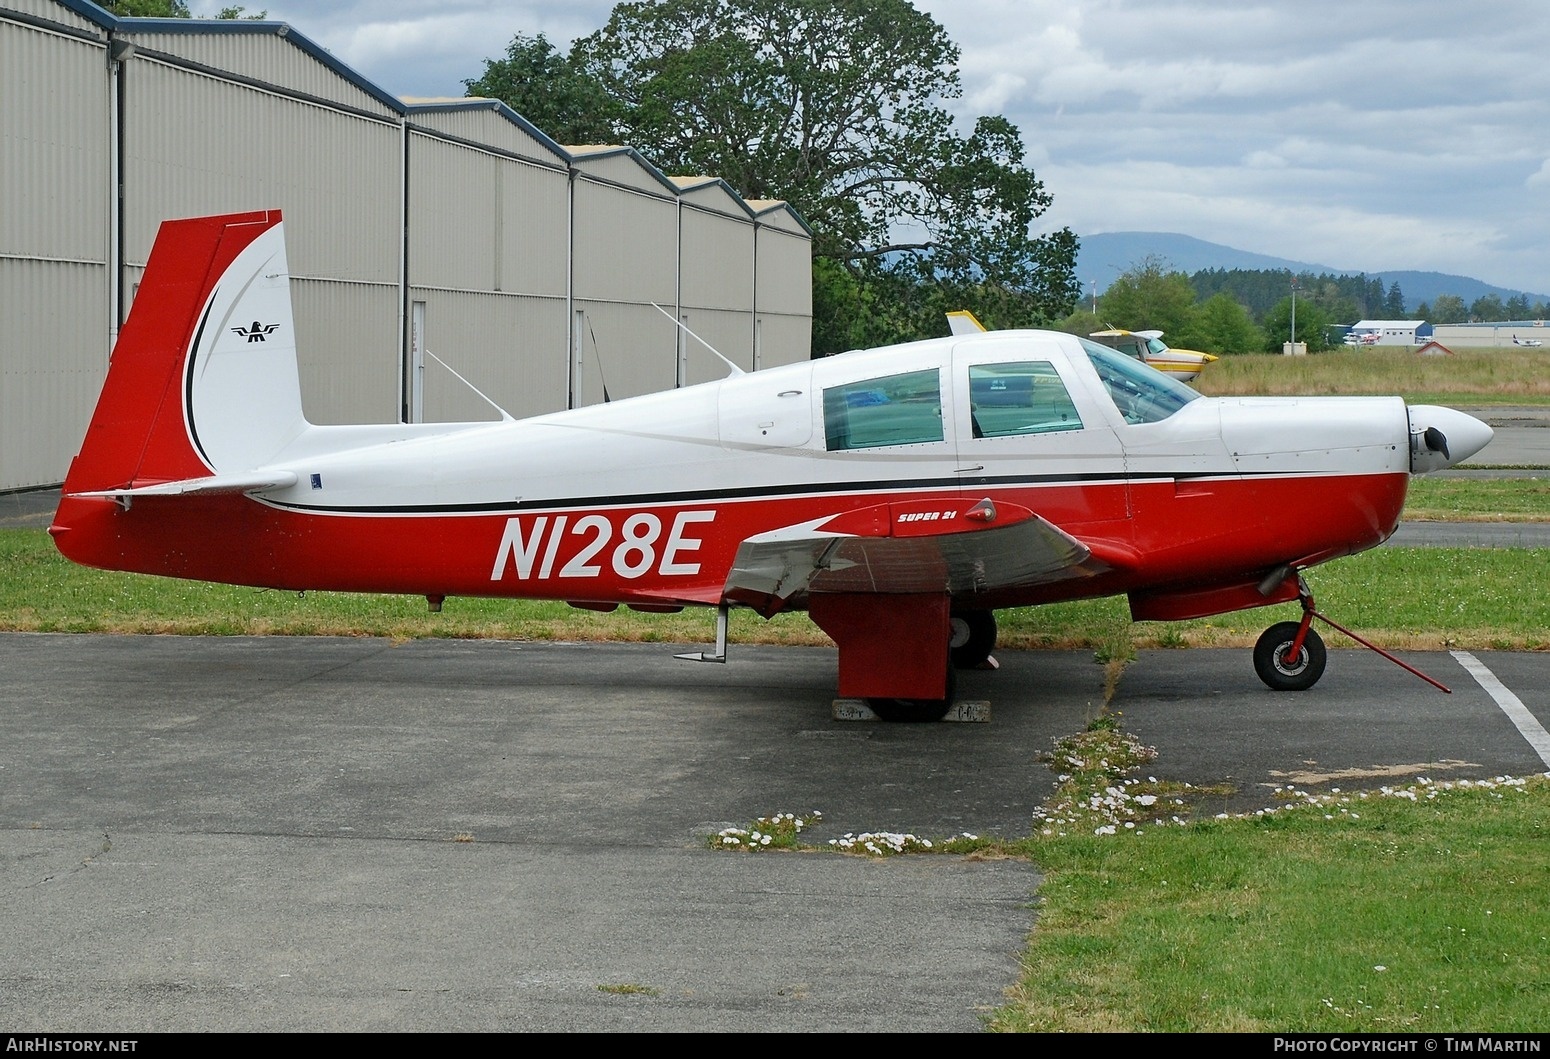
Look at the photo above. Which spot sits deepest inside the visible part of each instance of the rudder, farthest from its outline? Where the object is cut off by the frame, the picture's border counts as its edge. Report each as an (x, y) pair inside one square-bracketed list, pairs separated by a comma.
[(203, 378)]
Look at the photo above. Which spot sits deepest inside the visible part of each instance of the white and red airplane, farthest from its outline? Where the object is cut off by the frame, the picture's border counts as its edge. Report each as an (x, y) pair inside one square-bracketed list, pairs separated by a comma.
[(900, 495)]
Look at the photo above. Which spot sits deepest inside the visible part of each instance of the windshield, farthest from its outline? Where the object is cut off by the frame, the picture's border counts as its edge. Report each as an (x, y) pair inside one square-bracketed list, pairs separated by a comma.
[(1141, 393)]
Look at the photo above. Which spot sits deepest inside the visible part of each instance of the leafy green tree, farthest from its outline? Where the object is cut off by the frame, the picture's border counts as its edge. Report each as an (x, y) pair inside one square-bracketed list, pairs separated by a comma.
[(1448, 309), (1224, 326), (1488, 307), (837, 107), (171, 9), (1517, 307), (1394, 304), (547, 88), (1150, 295), (1312, 325), (147, 8)]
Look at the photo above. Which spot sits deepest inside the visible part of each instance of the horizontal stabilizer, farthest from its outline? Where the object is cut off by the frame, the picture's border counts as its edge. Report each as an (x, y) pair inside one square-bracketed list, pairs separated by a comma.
[(215, 483)]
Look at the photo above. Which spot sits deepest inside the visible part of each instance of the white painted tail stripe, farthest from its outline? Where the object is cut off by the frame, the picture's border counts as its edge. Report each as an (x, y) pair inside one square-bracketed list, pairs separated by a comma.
[(1511, 705)]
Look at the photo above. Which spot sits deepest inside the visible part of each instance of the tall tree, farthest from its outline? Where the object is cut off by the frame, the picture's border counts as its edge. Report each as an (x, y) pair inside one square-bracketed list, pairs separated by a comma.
[(1448, 309), (545, 86), (1223, 325), (1312, 325), (1487, 307), (1394, 304), (1151, 295), (839, 108)]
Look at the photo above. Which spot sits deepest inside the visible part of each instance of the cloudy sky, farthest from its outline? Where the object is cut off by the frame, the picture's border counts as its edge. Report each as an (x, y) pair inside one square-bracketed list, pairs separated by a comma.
[(1364, 135)]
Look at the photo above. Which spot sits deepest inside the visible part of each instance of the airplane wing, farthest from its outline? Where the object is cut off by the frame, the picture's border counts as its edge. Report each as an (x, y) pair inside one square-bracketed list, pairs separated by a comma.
[(956, 546)]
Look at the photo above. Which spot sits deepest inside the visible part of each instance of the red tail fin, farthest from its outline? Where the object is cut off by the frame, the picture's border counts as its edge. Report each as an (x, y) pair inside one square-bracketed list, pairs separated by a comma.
[(140, 433)]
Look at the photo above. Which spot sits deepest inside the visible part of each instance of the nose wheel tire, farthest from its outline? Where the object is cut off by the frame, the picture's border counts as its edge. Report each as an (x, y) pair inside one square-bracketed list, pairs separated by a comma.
[(972, 637), (1283, 673)]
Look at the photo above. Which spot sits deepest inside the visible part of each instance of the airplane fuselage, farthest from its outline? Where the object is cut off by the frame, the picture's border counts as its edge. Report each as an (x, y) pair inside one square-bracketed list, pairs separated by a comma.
[(646, 500), (894, 493)]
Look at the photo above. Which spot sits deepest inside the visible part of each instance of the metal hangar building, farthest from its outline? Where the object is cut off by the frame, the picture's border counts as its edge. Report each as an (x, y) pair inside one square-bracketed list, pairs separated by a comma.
[(421, 233)]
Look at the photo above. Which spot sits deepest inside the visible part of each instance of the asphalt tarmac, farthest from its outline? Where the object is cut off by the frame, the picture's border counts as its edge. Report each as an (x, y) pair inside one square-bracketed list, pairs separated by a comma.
[(328, 834)]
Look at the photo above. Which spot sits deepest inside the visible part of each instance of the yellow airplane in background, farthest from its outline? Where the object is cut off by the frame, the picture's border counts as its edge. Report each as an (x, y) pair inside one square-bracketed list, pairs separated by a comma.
[(1148, 346), (1145, 346)]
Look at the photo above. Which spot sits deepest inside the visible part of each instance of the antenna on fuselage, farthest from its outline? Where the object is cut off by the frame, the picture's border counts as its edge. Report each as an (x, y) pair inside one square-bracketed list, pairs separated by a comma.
[(505, 415), (735, 369)]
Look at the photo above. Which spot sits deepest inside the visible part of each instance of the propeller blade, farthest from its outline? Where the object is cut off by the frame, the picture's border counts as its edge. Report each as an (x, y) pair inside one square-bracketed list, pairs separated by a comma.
[(1437, 441)]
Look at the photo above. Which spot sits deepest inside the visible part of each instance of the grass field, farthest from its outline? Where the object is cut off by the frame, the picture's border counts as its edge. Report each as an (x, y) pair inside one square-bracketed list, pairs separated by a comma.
[(1473, 377), (1398, 597)]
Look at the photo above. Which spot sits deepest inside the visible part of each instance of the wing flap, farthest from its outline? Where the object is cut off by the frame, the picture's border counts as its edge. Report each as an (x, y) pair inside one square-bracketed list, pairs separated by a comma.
[(954, 546)]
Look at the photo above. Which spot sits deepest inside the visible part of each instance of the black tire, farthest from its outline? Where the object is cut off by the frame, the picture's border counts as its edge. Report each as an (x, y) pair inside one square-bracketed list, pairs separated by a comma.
[(972, 637), (1281, 674), (914, 711)]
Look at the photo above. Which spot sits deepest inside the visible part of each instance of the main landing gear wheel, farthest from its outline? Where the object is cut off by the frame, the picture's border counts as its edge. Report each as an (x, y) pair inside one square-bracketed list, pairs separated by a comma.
[(1282, 673), (973, 637), (916, 710)]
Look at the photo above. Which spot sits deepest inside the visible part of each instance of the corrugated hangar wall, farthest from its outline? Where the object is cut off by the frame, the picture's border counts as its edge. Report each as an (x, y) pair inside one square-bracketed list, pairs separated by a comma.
[(424, 238)]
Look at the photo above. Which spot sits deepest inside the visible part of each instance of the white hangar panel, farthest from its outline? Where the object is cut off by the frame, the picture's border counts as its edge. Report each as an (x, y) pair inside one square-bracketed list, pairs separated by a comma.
[(53, 359), (535, 229), (197, 145), (783, 324), (268, 52), (780, 339), (488, 122), (56, 12), (625, 245), (778, 215), (504, 230), (55, 177), (784, 266), (454, 239), (511, 347), (623, 166), (346, 350), (717, 261), (730, 333), (54, 162), (712, 194), (622, 350)]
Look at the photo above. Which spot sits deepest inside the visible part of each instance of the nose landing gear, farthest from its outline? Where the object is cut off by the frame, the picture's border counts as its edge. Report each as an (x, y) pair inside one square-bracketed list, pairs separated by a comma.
[(1290, 655)]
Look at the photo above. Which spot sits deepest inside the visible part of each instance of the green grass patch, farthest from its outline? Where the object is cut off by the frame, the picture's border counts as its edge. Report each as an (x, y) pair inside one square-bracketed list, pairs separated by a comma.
[(1434, 499), (1405, 598), (1400, 598), (1416, 908), (1422, 911)]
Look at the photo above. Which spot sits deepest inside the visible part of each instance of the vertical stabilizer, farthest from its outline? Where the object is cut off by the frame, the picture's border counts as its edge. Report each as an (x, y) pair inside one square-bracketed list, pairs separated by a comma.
[(203, 379)]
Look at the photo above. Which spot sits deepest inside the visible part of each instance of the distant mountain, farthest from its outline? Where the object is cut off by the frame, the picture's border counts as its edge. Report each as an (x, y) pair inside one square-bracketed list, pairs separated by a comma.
[(1104, 257)]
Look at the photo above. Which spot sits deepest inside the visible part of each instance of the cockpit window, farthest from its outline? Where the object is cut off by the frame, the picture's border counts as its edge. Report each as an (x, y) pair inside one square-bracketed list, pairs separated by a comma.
[(892, 410), (1141, 393), (1023, 397)]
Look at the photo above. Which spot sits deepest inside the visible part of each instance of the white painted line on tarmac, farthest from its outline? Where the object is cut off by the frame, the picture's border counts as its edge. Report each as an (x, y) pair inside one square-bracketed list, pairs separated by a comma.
[(1527, 724)]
